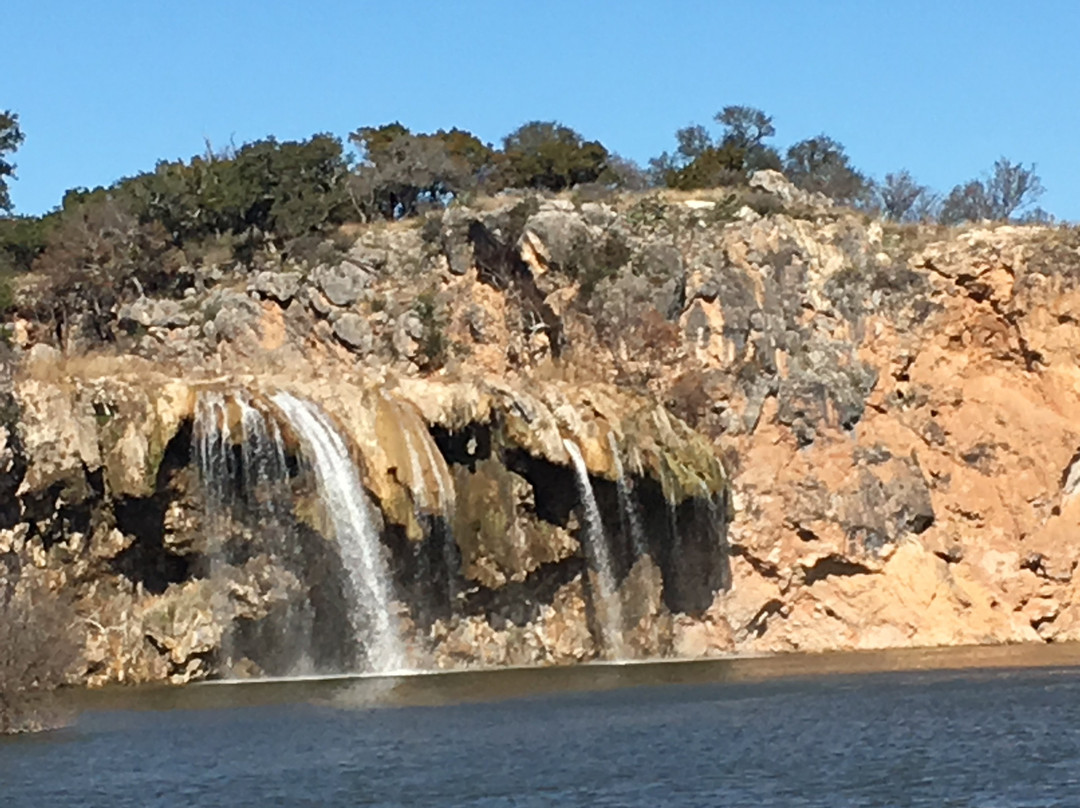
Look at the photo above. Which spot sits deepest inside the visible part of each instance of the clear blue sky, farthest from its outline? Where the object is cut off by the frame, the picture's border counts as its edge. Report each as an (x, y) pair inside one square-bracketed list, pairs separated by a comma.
[(105, 89)]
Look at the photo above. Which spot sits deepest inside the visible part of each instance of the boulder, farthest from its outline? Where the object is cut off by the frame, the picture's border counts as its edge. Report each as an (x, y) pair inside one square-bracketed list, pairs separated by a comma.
[(342, 284), (278, 286), (155, 313), (408, 332), (354, 332), (233, 314)]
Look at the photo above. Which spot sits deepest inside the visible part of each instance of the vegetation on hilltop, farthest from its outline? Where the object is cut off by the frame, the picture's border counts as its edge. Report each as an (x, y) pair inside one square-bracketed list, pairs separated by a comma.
[(135, 235)]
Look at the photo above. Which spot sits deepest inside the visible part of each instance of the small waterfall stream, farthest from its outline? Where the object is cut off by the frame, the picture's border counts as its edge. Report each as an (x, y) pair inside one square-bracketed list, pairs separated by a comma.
[(263, 450), (361, 551), (212, 449), (631, 517), (596, 545), (244, 478)]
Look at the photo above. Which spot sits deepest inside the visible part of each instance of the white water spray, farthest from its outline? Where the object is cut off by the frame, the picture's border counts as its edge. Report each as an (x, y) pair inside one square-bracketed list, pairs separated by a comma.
[(361, 551), (597, 545)]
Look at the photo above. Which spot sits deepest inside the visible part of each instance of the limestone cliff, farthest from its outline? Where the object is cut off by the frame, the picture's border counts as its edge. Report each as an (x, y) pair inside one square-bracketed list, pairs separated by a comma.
[(804, 430)]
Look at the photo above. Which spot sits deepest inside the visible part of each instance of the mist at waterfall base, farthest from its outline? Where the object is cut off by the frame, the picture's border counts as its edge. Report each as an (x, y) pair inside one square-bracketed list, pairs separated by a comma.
[(1004, 738)]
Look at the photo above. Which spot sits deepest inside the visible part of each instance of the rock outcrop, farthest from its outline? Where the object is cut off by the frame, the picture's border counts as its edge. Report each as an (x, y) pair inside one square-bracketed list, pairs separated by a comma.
[(805, 430)]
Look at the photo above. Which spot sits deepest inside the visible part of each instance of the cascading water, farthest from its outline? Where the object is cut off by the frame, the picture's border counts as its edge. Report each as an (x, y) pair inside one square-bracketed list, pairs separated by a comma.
[(361, 551), (244, 477), (212, 448), (597, 546), (263, 450), (627, 505)]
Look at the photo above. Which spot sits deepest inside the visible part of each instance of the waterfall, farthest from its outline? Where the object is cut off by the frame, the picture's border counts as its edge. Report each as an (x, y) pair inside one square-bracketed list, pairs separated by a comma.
[(230, 479), (213, 448), (361, 551), (631, 517), (263, 449), (596, 545)]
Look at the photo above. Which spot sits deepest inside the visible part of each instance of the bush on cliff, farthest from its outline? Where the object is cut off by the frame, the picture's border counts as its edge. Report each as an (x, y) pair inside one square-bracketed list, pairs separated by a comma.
[(700, 161), (549, 156), (900, 198), (820, 165), (39, 646), (283, 189), (401, 172), (1008, 189), (99, 255)]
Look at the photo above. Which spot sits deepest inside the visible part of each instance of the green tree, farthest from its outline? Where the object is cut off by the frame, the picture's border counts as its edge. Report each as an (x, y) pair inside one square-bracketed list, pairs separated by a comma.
[(820, 165), (400, 171), (11, 137), (747, 128), (546, 154), (22, 239), (283, 190), (700, 161)]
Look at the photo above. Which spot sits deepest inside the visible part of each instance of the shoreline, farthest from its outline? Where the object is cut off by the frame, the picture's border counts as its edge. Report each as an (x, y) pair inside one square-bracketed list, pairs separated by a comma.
[(493, 684)]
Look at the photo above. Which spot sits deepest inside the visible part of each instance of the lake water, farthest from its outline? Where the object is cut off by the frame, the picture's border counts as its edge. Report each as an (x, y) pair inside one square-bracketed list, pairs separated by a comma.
[(997, 728)]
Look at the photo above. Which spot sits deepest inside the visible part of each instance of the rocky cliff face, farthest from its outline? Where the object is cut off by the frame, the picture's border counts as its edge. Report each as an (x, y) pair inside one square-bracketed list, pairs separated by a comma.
[(803, 430)]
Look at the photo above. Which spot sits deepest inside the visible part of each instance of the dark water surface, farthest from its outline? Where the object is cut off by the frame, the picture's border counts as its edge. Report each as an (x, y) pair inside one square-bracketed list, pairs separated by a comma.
[(818, 731)]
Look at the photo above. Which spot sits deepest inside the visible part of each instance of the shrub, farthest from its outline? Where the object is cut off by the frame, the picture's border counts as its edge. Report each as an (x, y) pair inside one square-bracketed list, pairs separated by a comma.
[(700, 161), (548, 155), (39, 646), (283, 189), (902, 199), (402, 172), (7, 294), (22, 239), (100, 255), (434, 345), (1008, 189), (820, 165)]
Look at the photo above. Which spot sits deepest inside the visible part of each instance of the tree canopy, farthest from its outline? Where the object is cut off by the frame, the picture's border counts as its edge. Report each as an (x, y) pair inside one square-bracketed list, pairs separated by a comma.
[(400, 171), (11, 137), (1007, 190), (702, 161), (295, 192), (548, 155), (820, 165)]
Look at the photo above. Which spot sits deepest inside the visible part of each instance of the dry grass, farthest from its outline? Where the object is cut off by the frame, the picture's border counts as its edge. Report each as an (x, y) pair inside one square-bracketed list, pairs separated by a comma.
[(64, 369)]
